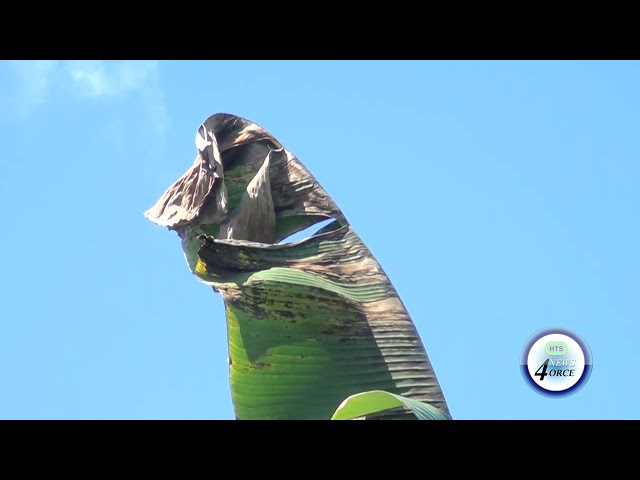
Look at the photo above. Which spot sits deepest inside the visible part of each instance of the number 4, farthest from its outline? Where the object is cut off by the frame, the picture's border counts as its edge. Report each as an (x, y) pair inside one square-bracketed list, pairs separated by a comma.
[(544, 370)]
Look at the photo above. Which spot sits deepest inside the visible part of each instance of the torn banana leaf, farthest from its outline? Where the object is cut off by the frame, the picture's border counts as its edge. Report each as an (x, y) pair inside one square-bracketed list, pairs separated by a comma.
[(311, 322)]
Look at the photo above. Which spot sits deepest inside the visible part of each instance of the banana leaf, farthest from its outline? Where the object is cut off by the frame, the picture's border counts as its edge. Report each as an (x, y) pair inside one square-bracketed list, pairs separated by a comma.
[(367, 403), (310, 323)]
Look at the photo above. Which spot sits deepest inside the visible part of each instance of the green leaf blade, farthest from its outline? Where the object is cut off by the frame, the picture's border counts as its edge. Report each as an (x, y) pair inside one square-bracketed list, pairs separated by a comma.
[(376, 401)]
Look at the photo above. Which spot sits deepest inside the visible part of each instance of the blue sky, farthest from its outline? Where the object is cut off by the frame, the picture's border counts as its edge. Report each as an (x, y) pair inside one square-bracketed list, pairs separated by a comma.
[(511, 188)]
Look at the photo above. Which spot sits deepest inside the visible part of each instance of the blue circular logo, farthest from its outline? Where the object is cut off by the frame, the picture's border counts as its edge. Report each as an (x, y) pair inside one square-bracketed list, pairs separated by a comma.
[(556, 362)]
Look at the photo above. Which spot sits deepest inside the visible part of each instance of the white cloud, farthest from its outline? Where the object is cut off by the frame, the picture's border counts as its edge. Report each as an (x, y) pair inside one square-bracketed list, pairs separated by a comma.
[(97, 79), (31, 82), (88, 77), (88, 80)]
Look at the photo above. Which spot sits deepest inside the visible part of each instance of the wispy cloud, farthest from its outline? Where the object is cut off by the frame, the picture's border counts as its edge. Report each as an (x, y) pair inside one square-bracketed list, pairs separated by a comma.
[(29, 85), (33, 83), (96, 79)]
